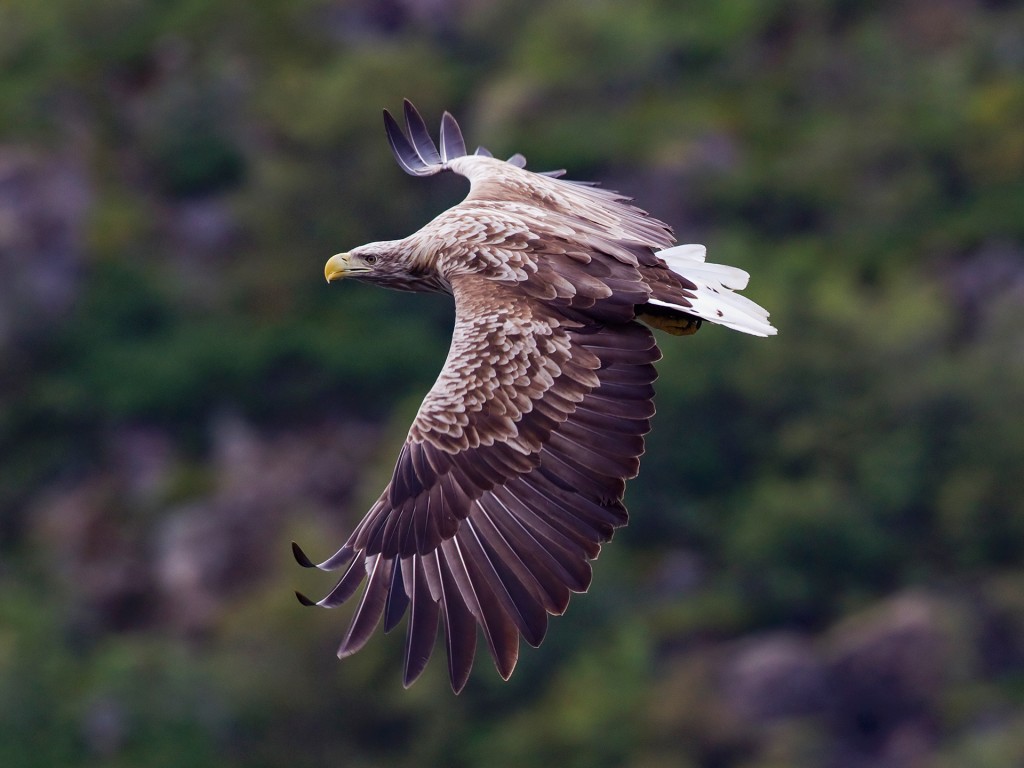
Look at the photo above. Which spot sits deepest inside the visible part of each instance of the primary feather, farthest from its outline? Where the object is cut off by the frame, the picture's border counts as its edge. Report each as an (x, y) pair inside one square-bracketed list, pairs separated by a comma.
[(515, 466)]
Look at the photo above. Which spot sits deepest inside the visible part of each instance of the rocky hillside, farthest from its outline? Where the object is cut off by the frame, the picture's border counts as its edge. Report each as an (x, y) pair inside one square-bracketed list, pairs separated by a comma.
[(825, 563)]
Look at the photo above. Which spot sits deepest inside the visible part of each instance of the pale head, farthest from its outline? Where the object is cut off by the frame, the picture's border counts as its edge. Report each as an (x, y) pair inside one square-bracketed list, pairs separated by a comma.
[(388, 263)]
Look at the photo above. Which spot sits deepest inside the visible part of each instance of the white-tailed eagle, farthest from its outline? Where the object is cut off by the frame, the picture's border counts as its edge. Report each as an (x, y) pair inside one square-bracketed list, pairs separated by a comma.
[(513, 472)]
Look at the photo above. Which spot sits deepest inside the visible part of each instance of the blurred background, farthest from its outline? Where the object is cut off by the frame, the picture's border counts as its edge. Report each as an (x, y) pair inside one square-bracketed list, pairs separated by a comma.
[(825, 565)]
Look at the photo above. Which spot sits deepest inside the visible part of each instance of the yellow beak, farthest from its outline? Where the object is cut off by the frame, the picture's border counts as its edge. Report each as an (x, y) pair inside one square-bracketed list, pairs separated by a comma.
[(336, 267)]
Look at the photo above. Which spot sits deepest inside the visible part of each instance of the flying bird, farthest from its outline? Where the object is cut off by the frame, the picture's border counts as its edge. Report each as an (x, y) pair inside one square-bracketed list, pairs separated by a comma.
[(513, 472)]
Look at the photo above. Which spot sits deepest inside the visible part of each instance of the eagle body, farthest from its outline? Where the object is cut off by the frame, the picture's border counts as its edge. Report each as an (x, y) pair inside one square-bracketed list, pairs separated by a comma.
[(514, 469)]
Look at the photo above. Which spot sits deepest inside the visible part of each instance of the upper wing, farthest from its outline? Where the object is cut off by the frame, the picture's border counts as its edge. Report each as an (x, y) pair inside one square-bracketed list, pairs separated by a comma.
[(511, 478), (579, 208), (418, 155)]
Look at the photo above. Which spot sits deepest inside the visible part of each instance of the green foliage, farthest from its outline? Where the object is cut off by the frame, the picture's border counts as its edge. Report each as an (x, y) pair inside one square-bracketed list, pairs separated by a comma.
[(93, 703), (862, 160)]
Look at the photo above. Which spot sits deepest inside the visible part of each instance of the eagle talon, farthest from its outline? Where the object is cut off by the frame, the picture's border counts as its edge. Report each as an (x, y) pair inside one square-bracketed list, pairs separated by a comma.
[(677, 325)]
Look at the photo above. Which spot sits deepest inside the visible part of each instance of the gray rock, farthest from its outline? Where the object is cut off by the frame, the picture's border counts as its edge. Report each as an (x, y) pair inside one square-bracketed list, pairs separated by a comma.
[(775, 676), (887, 669), (43, 204)]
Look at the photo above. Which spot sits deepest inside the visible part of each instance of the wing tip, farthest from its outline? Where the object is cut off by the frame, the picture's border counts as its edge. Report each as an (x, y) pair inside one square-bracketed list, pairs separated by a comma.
[(458, 682), (453, 144), (402, 149), (506, 667), (333, 563), (418, 155), (300, 557)]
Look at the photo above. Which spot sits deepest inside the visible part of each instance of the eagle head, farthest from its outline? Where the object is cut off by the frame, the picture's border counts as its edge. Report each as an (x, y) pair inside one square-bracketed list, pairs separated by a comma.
[(389, 264)]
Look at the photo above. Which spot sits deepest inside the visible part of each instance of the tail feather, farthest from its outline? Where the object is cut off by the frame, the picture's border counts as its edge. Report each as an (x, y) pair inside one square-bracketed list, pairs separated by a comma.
[(714, 299)]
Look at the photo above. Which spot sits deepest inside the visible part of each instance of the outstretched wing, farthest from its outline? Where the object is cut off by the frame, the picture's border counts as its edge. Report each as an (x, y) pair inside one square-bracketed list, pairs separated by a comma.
[(511, 478)]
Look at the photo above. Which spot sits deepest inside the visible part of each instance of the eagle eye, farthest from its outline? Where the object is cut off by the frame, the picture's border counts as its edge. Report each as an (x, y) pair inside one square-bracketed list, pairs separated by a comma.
[(370, 259)]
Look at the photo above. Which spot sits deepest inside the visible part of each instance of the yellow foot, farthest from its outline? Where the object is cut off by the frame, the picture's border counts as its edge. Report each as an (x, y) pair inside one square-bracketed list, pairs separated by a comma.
[(676, 324)]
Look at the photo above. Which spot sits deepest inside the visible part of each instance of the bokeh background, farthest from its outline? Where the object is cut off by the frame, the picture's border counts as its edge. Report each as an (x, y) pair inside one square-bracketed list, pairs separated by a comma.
[(826, 561)]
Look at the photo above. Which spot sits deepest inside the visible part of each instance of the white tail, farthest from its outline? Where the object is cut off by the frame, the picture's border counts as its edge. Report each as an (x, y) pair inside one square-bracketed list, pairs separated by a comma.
[(715, 300)]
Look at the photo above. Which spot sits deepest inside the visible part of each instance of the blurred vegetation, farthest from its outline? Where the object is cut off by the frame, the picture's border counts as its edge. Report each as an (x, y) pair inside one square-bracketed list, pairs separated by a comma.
[(864, 161)]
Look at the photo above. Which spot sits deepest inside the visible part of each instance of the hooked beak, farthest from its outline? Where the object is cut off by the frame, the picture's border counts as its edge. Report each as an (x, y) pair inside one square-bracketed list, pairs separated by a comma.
[(337, 267)]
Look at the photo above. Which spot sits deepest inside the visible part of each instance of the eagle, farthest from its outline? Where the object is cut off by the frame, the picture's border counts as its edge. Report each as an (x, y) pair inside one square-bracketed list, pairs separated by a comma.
[(513, 472)]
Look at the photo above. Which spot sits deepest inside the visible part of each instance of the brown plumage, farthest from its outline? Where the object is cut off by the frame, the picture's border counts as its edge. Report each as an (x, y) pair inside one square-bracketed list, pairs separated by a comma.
[(514, 469)]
